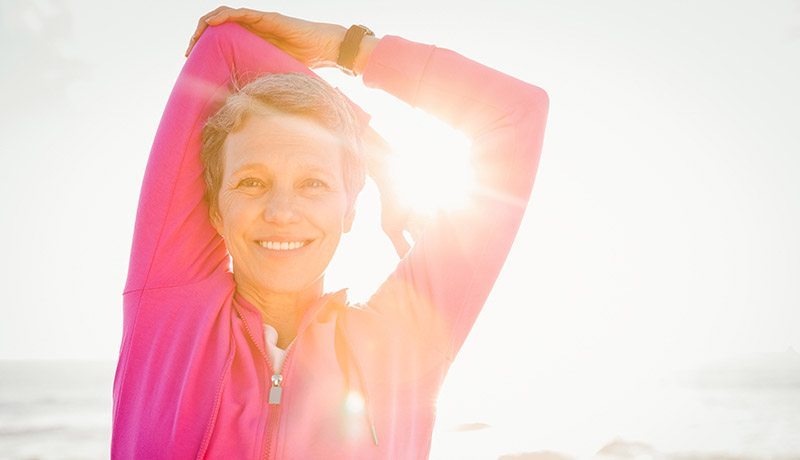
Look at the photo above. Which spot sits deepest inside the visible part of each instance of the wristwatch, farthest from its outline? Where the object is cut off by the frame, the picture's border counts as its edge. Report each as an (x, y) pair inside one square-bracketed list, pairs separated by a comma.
[(348, 50)]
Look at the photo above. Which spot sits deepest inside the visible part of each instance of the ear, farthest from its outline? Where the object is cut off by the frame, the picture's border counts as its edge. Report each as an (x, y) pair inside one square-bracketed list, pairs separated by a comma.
[(216, 220), (348, 218)]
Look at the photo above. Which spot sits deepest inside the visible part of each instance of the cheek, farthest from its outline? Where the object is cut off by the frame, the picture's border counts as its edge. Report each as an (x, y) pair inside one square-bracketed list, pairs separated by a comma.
[(334, 213), (232, 213)]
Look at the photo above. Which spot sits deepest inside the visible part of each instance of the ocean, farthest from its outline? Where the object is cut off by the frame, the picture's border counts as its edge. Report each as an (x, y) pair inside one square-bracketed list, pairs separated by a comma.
[(55, 409), (746, 410)]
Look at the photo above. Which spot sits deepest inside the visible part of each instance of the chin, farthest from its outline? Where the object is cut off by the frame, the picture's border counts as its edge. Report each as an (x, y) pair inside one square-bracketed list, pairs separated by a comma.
[(279, 278), (288, 284)]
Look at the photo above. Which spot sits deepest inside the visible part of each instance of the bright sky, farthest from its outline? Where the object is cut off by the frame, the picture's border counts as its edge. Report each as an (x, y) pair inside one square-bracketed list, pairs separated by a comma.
[(663, 224)]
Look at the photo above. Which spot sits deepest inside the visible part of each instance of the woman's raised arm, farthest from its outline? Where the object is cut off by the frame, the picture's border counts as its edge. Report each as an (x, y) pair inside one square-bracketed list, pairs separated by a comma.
[(174, 244), (444, 281), (448, 275)]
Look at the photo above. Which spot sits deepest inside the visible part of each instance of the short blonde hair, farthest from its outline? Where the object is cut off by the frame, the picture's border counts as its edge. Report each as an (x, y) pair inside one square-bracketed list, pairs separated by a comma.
[(293, 94)]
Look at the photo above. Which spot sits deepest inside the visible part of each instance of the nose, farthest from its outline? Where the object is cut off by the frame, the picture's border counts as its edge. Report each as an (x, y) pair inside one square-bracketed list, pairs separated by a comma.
[(280, 208)]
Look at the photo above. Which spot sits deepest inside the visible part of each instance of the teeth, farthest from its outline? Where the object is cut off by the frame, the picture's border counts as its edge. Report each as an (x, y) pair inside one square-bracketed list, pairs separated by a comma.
[(282, 246)]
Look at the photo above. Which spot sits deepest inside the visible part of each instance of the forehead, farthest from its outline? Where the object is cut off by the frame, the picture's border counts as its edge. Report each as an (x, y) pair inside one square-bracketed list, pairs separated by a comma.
[(281, 141)]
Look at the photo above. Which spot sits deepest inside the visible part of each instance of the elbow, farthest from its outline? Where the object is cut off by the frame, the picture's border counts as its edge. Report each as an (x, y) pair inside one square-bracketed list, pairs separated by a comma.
[(535, 101), (530, 117), (542, 98), (228, 32)]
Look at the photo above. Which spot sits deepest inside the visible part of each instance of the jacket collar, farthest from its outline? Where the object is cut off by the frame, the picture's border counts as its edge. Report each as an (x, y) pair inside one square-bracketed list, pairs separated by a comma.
[(251, 316)]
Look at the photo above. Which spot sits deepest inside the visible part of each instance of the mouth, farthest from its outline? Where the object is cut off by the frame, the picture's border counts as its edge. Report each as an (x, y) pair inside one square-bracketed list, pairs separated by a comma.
[(283, 245)]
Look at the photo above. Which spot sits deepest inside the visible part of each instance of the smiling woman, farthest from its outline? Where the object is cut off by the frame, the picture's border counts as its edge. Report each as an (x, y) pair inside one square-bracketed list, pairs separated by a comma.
[(230, 347), (282, 208)]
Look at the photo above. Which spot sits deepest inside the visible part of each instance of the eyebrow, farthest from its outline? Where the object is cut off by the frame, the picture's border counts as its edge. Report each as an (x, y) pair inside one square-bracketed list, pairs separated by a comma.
[(303, 165)]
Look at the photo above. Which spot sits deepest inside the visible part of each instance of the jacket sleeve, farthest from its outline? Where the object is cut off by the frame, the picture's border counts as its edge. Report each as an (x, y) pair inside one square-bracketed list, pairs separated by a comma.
[(444, 281), (174, 243)]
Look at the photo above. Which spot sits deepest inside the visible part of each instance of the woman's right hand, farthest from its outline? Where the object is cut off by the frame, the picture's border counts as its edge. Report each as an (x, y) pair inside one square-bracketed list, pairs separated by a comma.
[(315, 44)]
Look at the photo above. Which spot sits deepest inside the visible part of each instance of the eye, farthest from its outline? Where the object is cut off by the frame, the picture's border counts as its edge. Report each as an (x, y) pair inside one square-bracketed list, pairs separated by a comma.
[(250, 182), (314, 184)]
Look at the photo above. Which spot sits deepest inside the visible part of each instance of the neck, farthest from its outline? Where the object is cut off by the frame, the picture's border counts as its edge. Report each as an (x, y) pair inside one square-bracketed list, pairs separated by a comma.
[(283, 311)]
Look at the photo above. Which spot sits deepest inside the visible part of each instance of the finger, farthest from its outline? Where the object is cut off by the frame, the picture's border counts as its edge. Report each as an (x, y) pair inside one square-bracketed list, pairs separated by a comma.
[(202, 25), (240, 15), (400, 244), (212, 13)]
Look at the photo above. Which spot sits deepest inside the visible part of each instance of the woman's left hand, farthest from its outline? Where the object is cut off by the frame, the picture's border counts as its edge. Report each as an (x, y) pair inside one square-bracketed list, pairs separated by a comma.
[(397, 218), (315, 44)]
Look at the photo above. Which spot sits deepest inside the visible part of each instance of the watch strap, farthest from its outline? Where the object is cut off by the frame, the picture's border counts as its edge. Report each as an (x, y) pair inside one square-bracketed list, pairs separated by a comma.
[(348, 50)]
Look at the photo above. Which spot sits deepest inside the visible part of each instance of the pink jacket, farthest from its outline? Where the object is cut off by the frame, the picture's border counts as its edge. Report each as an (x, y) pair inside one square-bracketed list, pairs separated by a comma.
[(194, 379)]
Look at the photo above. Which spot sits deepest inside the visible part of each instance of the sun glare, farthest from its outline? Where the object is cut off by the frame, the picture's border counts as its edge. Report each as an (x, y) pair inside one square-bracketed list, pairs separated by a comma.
[(433, 168)]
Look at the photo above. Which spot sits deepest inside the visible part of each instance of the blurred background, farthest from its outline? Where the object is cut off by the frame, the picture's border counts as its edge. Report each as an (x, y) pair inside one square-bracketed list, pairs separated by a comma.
[(649, 309)]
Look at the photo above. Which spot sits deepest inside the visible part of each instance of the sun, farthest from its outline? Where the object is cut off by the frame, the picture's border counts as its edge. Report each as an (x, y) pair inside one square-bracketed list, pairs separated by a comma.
[(432, 166)]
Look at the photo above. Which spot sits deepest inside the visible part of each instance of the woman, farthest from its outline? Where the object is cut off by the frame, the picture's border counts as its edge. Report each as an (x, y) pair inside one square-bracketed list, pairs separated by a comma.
[(230, 348)]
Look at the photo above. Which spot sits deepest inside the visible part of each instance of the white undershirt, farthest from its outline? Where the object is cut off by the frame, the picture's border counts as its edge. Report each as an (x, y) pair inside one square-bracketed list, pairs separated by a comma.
[(276, 355)]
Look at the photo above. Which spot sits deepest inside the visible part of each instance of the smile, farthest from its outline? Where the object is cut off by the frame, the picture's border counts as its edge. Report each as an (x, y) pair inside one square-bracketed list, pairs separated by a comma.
[(282, 245)]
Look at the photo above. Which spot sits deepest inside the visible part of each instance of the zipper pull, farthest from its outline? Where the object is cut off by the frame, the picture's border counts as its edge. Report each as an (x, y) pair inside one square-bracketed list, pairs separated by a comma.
[(275, 389)]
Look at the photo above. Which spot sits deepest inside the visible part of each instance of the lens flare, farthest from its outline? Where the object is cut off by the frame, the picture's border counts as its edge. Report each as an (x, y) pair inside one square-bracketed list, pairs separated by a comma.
[(433, 169), (354, 403)]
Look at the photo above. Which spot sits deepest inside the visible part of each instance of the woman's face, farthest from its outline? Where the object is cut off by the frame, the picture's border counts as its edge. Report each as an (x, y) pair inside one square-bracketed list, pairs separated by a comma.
[(282, 203)]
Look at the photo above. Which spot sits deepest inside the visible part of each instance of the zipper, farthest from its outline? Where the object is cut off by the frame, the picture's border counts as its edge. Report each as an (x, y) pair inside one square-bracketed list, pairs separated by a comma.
[(275, 394), (274, 400), (277, 381), (275, 390)]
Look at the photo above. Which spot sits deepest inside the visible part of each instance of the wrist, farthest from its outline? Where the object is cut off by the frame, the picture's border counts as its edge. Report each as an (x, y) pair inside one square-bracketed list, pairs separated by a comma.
[(337, 37)]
